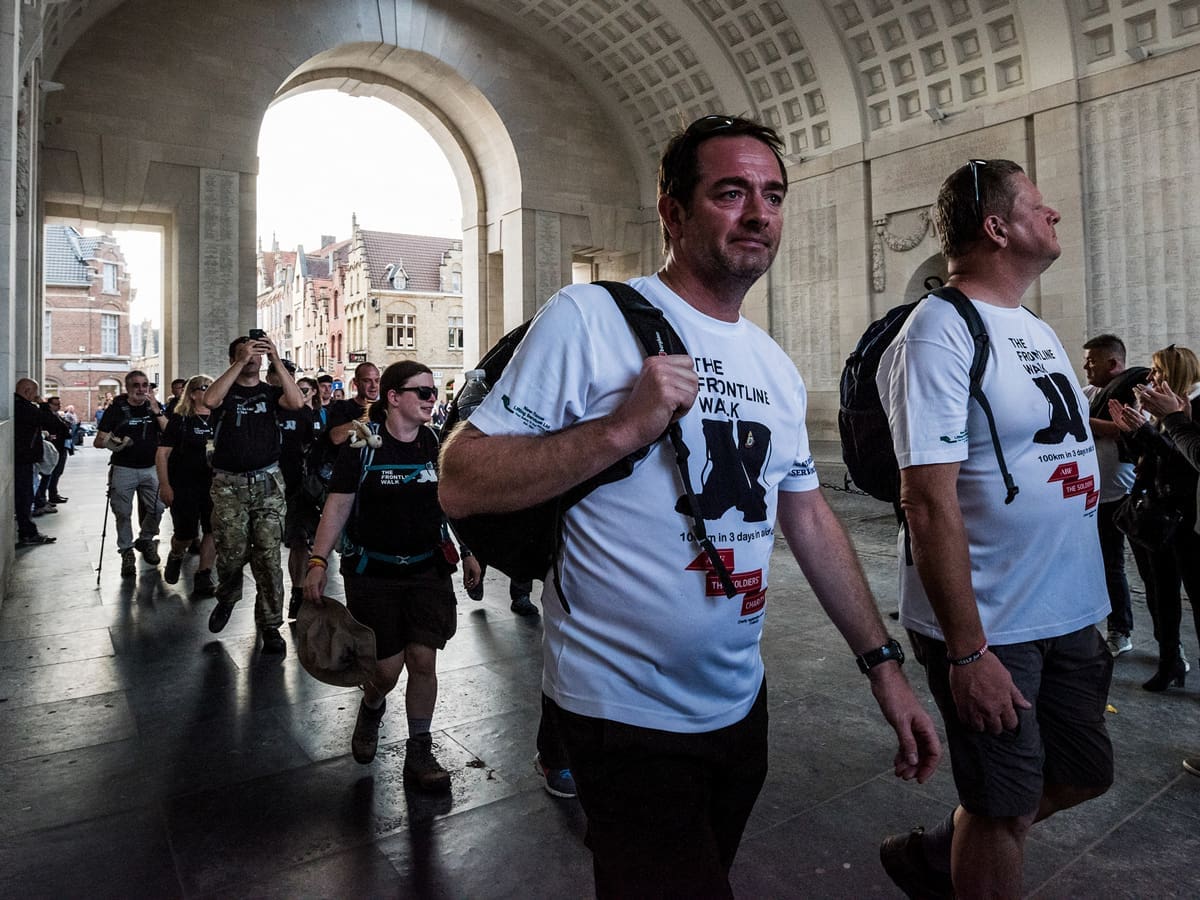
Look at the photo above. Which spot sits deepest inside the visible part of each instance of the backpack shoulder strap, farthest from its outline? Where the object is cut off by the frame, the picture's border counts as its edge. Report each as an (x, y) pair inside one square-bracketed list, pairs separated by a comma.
[(657, 336), (979, 336)]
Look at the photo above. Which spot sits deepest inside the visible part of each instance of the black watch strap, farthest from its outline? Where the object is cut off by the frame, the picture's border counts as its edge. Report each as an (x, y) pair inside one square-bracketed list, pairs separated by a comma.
[(872, 658)]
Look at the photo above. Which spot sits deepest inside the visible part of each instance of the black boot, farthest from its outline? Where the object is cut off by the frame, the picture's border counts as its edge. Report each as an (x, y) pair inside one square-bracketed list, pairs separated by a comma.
[(1172, 672)]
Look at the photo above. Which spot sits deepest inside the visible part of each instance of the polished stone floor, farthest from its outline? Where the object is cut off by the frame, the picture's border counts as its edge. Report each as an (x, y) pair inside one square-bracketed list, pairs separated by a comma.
[(142, 756)]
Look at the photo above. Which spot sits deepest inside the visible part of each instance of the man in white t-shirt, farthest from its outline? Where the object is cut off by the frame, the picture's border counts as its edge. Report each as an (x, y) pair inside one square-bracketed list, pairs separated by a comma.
[(653, 676), (1002, 595)]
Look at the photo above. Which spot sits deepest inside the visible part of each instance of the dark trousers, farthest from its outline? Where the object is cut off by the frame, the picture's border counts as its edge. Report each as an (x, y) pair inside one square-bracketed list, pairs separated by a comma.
[(1165, 572), (48, 484), (23, 499), (665, 811), (1112, 548)]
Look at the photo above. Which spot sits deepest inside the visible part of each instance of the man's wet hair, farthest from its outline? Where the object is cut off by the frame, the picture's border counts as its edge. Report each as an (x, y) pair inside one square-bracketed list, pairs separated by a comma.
[(679, 169), (981, 188)]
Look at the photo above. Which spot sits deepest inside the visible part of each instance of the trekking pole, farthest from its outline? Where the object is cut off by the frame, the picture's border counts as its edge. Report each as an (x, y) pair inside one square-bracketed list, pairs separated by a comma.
[(104, 529)]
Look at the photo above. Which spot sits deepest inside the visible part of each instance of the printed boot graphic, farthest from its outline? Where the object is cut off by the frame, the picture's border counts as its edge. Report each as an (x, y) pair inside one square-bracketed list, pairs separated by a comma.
[(1065, 417), (731, 473), (754, 448)]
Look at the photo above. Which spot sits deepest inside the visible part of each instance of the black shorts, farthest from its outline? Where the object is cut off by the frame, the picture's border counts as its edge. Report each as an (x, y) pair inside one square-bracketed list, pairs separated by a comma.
[(416, 608), (1061, 740), (191, 512), (301, 519)]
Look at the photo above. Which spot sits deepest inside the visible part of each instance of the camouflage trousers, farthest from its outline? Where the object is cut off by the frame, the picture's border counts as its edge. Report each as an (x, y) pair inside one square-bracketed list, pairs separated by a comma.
[(247, 522)]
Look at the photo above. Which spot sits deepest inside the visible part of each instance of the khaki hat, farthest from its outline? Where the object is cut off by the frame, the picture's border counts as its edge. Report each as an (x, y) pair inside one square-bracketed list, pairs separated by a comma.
[(333, 646)]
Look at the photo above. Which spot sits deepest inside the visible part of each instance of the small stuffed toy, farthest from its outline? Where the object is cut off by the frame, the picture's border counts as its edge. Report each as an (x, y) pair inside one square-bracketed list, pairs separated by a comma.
[(362, 436)]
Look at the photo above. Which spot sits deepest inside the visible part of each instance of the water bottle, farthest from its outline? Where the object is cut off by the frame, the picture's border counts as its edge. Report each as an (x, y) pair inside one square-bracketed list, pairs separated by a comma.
[(474, 389)]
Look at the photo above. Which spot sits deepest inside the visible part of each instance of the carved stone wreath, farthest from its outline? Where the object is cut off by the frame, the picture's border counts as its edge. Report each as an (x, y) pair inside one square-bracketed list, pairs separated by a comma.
[(883, 238)]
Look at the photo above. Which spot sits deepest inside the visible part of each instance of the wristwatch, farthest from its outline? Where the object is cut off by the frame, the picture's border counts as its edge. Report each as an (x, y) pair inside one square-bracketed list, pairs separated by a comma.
[(872, 658)]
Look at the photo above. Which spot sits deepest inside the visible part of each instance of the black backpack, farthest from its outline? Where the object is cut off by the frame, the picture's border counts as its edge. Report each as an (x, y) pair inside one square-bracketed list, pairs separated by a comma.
[(867, 446), (524, 544)]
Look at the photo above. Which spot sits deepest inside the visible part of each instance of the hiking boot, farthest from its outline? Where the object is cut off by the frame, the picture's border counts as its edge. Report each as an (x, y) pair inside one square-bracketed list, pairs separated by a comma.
[(559, 782), (128, 564), (904, 861), (422, 767), (202, 584), (1192, 764), (174, 564), (273, 641), (295, 602), (219, 616), (523, 607), (1118, 642), (365, 740), (148, 547)]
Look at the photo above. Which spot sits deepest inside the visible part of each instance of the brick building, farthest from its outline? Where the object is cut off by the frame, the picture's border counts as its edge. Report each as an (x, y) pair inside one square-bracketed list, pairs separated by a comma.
[(85, 323)]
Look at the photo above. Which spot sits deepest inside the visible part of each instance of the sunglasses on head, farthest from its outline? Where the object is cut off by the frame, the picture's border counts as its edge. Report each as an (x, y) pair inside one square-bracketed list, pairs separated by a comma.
[(975, 164), (709, 124), (424, 392)]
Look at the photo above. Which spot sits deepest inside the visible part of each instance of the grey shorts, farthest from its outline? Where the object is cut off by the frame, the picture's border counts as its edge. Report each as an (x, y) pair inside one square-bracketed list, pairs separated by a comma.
[(1061, 740)]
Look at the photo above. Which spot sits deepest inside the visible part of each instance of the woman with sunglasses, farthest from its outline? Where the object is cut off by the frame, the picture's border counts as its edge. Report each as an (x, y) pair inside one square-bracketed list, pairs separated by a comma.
[(394, 561), (1163, 469), (184, 483)]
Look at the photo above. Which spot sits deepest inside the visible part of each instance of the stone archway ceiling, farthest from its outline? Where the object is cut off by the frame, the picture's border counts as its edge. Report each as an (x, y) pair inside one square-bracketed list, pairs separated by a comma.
[(914, 57), (1110, 33), (642, 57)]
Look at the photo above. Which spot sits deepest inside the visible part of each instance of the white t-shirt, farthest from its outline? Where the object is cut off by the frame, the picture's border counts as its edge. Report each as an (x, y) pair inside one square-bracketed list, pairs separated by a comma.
[(651, 639), (1035, 563)]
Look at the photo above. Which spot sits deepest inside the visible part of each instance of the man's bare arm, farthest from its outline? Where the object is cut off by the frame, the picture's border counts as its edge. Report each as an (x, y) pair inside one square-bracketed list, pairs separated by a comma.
[(826, 556), (983, 691), (482, 473)]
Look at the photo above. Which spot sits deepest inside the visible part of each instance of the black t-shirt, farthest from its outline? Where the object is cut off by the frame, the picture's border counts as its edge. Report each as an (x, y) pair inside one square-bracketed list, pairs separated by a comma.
[(297, 429), (137, 422), (398, 510), (188, 438), (343, 411), (247, 435)]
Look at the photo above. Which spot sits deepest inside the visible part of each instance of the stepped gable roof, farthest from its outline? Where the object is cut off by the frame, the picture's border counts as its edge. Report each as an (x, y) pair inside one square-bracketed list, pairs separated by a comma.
[(421, 256), (65, 256)]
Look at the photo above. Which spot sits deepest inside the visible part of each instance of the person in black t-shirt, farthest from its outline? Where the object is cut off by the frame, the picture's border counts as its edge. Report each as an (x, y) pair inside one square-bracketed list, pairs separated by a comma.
[(299, 431), (343, 412), (185, 482), (248, 489), (395, 569), (130, 428)]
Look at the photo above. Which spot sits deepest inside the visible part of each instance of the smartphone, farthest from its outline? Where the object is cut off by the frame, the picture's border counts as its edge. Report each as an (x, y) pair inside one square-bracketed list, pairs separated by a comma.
[(257, 334)]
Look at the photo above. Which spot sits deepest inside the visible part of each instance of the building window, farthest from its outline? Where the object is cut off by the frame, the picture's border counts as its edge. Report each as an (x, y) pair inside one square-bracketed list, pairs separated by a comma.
[(110, 278), (47, 335), (109, 334), (401, 332), (456, 333), (456, 282)]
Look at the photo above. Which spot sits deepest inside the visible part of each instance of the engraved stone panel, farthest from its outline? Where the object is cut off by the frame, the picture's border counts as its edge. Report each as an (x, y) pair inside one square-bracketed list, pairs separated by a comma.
[(1142, 159), (218, 283), (804, 287), (547, 254)]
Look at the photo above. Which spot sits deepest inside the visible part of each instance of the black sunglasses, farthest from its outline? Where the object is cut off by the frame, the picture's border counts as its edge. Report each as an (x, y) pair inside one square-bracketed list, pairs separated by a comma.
[(709, 124), (975, 164), (423, 391)]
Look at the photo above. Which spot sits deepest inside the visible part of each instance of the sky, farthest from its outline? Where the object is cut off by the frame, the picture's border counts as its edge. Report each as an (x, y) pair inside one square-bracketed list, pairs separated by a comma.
[(324, 156)]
